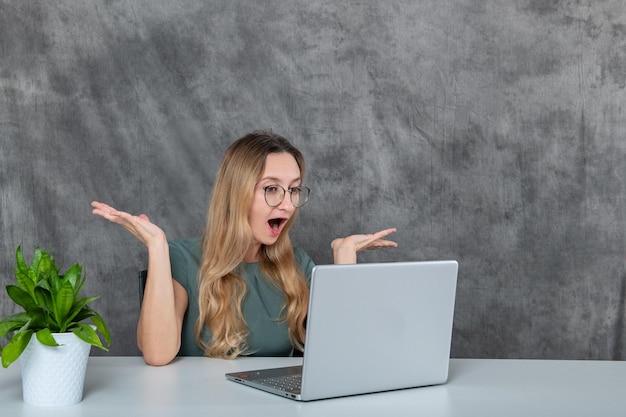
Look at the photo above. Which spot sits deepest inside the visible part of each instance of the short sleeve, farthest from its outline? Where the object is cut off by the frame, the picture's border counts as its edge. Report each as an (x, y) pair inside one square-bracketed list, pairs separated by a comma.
[(184, 261)]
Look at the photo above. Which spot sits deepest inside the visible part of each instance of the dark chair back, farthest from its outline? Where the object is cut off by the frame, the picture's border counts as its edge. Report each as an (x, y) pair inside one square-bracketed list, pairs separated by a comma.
[(143, 276)]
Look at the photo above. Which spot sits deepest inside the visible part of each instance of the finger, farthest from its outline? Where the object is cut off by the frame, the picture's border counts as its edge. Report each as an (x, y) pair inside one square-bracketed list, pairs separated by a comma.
[(382, 244), (385, 232), (378, 236), (101, 206), (375, 240), (366, 243), (109, 214), (103, 210)]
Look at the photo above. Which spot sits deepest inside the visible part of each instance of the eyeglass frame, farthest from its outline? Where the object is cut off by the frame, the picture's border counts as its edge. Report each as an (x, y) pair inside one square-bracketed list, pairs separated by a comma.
[(289, 190)]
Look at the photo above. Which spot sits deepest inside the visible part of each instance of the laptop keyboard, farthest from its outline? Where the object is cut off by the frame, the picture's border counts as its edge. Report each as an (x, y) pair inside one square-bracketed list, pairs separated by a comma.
[(289, 383)]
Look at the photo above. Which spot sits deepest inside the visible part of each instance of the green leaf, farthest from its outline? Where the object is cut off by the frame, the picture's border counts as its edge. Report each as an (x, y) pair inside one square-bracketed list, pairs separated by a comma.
[(72, 275), (45, 337), (15, 347), (45, 265), (13, 322), (88, 334), (23, 317), (63, 303), (19, 258), (33, 270), (56, 280), (86, 300), (24, 282), (39, 319), (20, 297), (79, 311), (79, 285), (101, 326), (9, 326), (45, 285), (43, 297)]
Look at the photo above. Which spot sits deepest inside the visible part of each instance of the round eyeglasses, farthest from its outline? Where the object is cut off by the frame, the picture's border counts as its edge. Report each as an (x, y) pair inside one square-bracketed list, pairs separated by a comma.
[(275, 194)]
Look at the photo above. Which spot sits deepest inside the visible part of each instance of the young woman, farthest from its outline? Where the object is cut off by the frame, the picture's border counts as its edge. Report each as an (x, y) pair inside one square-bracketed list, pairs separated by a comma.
[(241, 289)]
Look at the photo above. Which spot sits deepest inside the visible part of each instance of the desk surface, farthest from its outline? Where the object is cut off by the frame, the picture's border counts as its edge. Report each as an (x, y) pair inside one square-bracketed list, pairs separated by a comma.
[(125, 386)]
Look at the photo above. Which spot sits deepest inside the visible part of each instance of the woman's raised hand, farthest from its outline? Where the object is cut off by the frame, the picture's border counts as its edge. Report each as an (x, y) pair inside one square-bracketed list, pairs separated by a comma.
[(346, 248), (140, 226)]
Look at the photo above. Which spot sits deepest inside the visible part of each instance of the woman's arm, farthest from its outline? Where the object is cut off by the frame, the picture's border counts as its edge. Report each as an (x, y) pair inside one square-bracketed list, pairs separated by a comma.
[(162, 311), (345, 249), (165, 300)]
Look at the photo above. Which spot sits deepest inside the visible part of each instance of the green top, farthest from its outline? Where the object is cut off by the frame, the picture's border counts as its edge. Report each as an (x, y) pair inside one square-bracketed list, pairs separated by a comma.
[(267, 335)]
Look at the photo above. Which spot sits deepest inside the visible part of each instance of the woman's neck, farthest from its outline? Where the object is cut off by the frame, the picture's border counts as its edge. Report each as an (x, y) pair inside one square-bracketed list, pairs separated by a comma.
[(253, 254)]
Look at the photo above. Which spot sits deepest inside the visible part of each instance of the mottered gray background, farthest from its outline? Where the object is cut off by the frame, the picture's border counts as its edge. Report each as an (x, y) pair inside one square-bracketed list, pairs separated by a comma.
[(491, 132)]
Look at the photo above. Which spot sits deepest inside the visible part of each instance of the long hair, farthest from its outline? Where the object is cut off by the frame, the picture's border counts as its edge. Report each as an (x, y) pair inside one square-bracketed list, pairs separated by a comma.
[(226, 239)]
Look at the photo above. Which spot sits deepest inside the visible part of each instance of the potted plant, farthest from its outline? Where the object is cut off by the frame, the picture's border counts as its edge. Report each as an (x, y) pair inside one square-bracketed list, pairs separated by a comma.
[(56, 314)]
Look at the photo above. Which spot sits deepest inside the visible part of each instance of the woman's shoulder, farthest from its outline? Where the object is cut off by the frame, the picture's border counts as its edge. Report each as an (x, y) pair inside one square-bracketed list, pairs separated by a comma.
[(185, 255), (189, 246), (300, 253), (304, 261)]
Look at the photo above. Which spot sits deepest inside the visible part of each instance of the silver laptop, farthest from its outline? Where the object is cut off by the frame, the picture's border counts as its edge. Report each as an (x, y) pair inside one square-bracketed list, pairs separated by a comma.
[(371, 327)]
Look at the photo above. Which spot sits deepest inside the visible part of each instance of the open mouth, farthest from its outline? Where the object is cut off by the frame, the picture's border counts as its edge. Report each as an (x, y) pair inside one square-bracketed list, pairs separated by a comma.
[(276, 225)]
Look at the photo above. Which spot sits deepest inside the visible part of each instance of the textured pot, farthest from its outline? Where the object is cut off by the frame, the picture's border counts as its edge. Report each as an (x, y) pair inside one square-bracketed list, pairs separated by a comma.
[(54, 376)]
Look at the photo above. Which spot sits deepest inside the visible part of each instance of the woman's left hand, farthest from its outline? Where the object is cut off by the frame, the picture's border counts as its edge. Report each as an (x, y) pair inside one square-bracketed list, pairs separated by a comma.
[(345, 249)]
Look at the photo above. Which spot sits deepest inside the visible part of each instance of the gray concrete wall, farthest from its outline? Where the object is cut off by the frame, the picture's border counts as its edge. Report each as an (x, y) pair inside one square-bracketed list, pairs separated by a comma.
[(491, 132)]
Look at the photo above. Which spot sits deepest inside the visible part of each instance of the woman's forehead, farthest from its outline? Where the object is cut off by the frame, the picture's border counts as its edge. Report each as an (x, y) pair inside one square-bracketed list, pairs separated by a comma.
[(281, 166)]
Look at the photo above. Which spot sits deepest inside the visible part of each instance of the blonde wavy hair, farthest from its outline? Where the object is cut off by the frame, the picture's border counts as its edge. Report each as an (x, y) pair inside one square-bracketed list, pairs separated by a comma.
[(226, 239)]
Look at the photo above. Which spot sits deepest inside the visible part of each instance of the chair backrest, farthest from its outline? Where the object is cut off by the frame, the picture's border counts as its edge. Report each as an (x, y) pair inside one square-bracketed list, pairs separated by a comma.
[(143, 276)]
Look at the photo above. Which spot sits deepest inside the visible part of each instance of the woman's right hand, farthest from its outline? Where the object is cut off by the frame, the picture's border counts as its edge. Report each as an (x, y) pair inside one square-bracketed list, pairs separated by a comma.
[(140, 226)]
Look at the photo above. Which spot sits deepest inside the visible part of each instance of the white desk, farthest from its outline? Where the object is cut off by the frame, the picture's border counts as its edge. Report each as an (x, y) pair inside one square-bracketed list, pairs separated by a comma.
[(125, 386)]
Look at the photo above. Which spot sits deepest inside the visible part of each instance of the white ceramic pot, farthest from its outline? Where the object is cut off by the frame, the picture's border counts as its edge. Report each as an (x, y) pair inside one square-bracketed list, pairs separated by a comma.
[(54, 376)]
